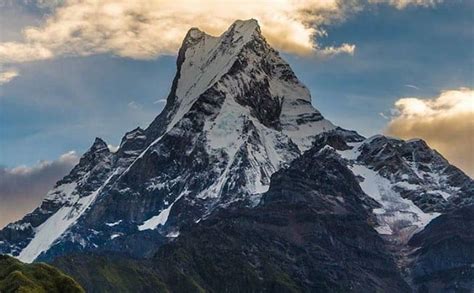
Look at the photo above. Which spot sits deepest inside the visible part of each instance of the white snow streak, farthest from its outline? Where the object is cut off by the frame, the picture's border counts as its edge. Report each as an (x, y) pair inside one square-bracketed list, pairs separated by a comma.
[(160, 219), (114, 223), (48, 232)]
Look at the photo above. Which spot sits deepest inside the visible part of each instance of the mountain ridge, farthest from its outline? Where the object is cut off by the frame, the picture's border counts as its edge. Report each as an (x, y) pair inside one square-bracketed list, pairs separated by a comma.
[(236, 117), (226, 117)]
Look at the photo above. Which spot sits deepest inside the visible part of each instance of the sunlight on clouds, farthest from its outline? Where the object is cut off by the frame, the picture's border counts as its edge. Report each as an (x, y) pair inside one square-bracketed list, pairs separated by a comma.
[(445, 122), (8, 75), (11, 52), (70, 159), (145, 29), (344, 48)]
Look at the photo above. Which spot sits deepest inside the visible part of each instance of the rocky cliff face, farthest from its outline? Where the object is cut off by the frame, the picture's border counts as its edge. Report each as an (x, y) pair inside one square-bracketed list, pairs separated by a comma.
[(310, 233), (442, 255), (422, 207), (411, 183), (237, 115)]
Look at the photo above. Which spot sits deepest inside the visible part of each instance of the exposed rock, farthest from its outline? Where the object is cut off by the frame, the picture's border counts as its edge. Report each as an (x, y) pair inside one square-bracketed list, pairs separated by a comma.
[(443, 254), (309, 234), (240, 173)]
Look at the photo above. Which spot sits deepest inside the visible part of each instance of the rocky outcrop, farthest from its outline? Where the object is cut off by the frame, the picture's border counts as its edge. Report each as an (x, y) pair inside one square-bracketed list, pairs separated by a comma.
[(443, 254)]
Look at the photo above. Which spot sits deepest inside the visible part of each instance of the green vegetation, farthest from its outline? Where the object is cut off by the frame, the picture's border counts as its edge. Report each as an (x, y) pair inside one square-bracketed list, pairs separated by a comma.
[(108, 273), (16, 276)]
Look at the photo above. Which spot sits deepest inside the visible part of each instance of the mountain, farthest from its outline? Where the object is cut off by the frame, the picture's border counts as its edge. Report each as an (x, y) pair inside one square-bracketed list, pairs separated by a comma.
[(297, 240), (239, 173), (19, 277), (312, 232), (411, 183), (236, 113), (442, 255)]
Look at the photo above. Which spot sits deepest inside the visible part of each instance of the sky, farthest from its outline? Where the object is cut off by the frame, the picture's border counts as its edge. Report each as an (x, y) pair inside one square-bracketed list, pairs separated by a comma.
[(71, 70)]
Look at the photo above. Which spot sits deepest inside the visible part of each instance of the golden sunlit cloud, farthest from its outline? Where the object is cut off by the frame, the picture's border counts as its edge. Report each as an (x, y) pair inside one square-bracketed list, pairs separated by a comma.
[(445, 122), (146, 29)]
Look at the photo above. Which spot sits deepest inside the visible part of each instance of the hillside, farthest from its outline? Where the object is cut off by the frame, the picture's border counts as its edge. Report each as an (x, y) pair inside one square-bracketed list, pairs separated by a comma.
[(16, 276)]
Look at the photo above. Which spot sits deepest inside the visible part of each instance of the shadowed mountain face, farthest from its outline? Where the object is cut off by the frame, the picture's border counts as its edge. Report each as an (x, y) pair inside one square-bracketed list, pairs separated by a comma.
[(443, 254), (240, 181), (310, 233)]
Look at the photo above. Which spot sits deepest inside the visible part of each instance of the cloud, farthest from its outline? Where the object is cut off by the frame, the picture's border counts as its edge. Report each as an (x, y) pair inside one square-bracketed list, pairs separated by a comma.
[(400, 4), (412, 86), (446, 123), (146, 29), (330, 51), (12, 52), (22, 188), (159, 101), (134, 105), (8, 75), (384, 116)]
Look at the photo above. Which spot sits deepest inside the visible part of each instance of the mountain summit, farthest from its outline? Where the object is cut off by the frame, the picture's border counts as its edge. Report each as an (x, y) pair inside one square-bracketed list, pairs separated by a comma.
[(235, 116), (248, 76)]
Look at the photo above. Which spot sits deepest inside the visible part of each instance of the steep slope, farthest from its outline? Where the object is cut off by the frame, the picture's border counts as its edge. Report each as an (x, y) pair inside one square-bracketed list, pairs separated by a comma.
[(236, 113), (411, 183), (310, 233), (19, 277), (199, 179), (423, 208), (113, 273), (442, 255), (62, 206)]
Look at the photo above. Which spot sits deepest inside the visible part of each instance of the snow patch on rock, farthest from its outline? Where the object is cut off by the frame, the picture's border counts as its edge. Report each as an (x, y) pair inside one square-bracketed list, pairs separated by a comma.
[(52, 229), (398, 217)]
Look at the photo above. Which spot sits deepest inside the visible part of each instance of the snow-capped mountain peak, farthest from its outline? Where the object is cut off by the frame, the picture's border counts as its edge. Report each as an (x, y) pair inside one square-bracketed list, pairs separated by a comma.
[(235, 115), (241, 62), (206, 60)]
